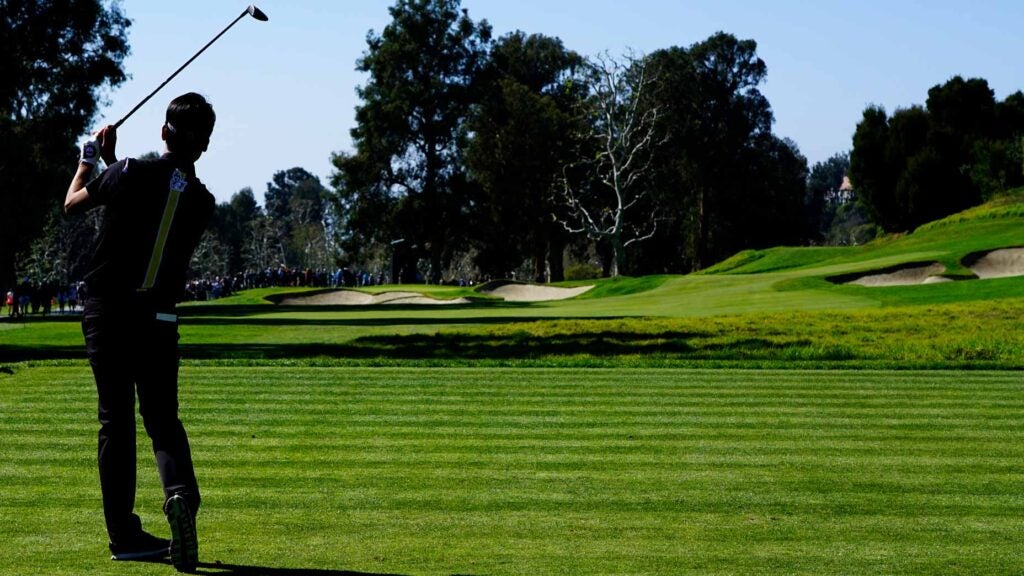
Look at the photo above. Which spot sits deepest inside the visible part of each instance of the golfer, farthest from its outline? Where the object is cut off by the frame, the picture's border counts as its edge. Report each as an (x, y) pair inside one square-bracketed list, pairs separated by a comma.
[(155, 212)]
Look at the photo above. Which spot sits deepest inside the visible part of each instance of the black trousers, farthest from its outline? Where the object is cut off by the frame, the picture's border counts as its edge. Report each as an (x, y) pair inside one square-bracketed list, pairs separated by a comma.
[(133, 351)]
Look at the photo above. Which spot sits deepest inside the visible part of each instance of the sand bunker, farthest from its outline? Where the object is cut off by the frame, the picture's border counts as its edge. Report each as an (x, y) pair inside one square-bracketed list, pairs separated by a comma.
[(904, 276), (419, 299), (1001, 263), (513, 292), (997, 263), (354, 298), (509, 291)]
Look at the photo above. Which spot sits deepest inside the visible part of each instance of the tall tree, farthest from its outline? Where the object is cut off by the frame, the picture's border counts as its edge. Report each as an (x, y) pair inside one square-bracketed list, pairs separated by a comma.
[(284, 186), (61, 252), (870, 167), (625, 136), (732, 116), (522, 134), (824, 194), (231, 223), (264, 245), (57, 58), (722, 172), (774, 195), (998, 159), (421, 84), (297, 201), (366, 208), (210, 259), (924, 163)]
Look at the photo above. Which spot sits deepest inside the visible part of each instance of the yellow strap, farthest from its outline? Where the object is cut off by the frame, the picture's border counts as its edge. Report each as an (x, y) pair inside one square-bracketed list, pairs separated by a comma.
[(178, 183)]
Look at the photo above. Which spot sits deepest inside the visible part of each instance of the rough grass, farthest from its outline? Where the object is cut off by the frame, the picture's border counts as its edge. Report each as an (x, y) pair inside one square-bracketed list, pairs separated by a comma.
[(977, 335), (971, 334), (467, 471)]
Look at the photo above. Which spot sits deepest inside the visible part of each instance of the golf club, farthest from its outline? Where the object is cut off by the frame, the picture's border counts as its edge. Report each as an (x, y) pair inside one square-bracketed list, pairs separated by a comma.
[(252, 10)]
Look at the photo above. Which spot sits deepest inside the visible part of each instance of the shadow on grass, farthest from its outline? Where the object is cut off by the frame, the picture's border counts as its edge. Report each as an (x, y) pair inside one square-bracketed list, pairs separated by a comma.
[(400, 321), (603, 343), (242, 310), (443, 347), (28, 353), (219, 569), (440, 346), (462, 347)]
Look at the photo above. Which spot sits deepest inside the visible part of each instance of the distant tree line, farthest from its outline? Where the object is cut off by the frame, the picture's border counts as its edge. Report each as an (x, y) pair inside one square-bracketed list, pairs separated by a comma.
[(477, 157), (925, 162)]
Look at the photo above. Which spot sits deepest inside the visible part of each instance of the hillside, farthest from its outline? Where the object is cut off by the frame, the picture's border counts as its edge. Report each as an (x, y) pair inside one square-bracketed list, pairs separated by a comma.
[(995, 224)]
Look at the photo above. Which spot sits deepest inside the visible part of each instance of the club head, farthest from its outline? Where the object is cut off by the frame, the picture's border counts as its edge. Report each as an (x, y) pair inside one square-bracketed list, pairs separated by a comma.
[(256, 13)]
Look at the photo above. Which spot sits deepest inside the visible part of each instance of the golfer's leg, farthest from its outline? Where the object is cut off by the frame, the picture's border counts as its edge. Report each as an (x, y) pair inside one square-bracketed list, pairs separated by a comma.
[(157, 379), (116, 449)]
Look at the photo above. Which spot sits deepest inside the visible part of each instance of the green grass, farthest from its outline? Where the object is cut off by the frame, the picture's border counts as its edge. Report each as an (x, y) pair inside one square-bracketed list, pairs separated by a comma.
[(575, 437), (1009, 205), (774, 306), (504, 471), (977, 329)]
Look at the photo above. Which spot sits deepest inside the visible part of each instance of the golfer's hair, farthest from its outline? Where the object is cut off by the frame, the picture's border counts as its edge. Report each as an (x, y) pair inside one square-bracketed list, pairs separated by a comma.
[(190, 120)]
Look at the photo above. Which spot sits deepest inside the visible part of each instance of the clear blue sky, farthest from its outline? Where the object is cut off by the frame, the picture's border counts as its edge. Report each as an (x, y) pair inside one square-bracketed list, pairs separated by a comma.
[(285, 96)]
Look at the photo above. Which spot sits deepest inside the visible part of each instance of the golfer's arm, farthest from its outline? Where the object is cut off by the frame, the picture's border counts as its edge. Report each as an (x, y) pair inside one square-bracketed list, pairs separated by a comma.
[(78, 199)]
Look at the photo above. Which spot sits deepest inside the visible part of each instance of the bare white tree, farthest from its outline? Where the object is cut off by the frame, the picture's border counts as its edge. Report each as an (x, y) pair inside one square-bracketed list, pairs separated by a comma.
[(264, 246), (625, 134)]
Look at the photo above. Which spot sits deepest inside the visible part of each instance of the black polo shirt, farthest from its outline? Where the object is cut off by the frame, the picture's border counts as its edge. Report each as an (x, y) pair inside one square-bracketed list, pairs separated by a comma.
[(156, 212)]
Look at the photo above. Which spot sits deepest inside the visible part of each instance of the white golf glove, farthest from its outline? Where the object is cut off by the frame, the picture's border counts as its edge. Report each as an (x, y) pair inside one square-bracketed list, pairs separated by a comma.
[(90, 152)]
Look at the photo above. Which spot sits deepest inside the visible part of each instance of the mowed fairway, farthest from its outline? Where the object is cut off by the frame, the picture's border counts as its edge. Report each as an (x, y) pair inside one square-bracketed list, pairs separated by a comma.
[(331, 471)]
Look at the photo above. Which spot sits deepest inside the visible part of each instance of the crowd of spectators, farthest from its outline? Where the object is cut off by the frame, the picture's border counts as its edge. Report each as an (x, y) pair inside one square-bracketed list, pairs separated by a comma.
[(319, 278), (222, 286), (42, 299)]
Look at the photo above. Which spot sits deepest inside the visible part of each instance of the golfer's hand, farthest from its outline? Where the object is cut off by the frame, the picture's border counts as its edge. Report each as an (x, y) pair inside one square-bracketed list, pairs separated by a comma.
[(107, 138), (102, 145), (90, 152)]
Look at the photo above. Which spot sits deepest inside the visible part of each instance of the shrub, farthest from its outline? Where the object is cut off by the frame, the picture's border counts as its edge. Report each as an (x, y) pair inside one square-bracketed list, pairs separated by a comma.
[(582, 271)]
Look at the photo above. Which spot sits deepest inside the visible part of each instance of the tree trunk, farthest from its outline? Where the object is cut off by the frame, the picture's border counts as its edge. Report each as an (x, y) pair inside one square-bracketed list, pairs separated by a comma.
[(618, 257), (435, 266), (701, 243), (540, 252), (556, 258)]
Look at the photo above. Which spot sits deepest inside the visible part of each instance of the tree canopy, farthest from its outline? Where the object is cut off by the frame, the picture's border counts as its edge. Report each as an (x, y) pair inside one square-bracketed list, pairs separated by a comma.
[(523, 133), (724, 181), (422, 72), (923, 163), (57, 59)]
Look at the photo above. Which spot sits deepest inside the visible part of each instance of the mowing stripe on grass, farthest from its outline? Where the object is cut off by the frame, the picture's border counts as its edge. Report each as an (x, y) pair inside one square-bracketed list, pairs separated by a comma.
[(504, 471)]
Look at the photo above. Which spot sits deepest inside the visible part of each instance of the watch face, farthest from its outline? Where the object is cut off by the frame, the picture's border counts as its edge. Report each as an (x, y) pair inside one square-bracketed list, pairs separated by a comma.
[(90, 151)]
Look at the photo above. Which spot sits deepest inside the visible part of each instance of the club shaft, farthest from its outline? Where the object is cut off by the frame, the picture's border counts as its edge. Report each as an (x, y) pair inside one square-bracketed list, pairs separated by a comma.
[(171, 77)]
